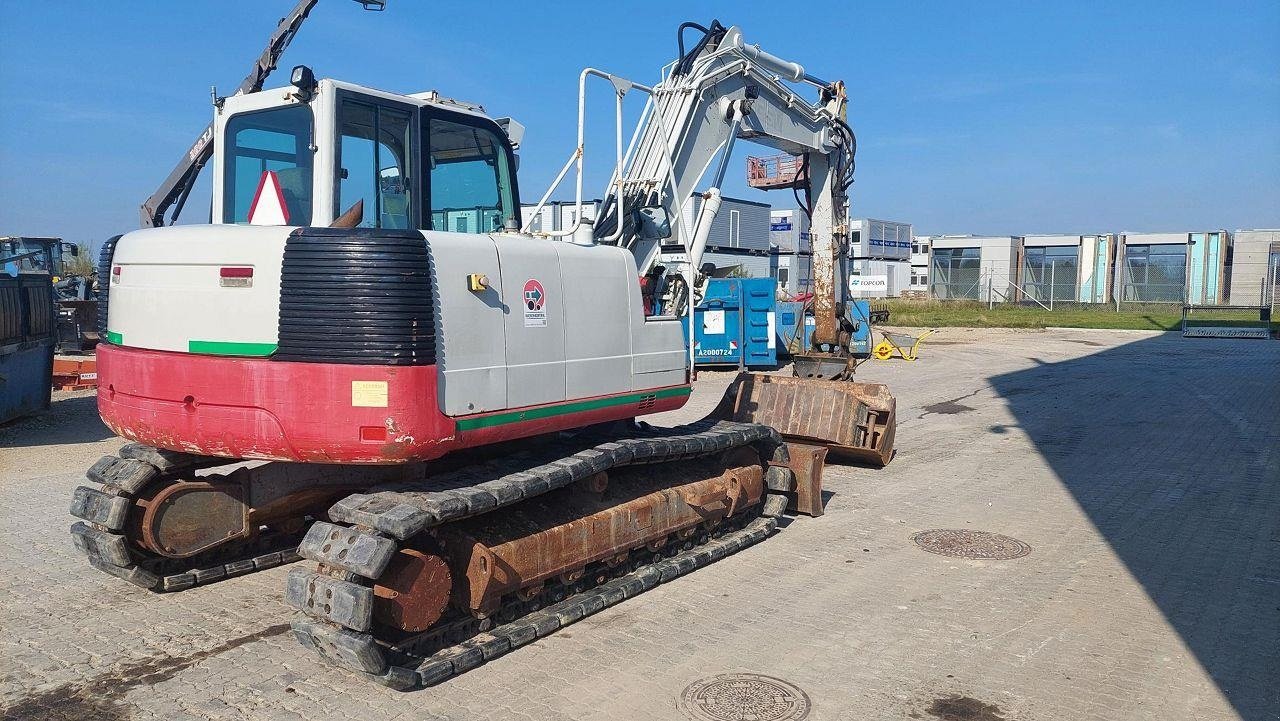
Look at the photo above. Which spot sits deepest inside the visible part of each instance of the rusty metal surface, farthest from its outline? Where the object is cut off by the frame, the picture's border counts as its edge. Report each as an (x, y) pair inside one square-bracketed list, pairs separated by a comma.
[(807, 462), (183, 518), (559, 533), (821, 366), (413, 593), (852, 420)]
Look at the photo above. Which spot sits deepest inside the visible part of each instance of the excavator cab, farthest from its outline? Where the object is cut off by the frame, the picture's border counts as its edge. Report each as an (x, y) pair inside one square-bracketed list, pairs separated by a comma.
[(328, 153)]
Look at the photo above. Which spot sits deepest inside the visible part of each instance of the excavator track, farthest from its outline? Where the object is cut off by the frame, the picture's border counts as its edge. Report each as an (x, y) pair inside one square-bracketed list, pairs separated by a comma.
[(135, 487), (420, 581), (101, 534)]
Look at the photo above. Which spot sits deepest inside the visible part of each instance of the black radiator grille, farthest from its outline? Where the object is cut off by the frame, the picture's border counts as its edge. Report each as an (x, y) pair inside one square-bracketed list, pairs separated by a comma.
[(104, 284), (359, 295)]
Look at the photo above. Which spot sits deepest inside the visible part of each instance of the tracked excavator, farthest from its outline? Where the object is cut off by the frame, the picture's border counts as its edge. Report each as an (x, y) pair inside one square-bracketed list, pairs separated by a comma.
[(366, 363)]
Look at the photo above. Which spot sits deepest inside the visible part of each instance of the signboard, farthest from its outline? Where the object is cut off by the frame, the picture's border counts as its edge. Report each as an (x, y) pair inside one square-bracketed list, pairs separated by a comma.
[(781, 225), (873, 285)]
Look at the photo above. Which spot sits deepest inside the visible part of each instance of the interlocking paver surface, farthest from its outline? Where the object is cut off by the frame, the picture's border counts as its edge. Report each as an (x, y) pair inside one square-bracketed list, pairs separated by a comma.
[(1143, 470)]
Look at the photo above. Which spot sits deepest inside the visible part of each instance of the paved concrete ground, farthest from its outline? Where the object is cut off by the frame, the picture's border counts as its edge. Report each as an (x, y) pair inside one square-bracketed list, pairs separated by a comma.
[(1143, 470)]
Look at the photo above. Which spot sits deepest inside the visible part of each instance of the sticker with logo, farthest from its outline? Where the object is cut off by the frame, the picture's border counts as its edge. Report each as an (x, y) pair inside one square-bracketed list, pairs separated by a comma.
[(535, 304)]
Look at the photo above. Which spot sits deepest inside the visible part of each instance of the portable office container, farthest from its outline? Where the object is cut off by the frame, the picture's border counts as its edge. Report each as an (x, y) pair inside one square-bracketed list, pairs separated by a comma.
[(1255, 266), (871, 239), (1067, 268), (974, 267), (1174, 267)]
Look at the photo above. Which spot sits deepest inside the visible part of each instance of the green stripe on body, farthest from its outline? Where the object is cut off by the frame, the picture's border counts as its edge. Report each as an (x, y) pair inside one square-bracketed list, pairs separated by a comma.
[(533, 414), (216, 347), (113, 337)]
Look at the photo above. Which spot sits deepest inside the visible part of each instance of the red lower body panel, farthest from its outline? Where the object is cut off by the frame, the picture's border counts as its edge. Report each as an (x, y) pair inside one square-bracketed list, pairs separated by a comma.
[(312, 412)]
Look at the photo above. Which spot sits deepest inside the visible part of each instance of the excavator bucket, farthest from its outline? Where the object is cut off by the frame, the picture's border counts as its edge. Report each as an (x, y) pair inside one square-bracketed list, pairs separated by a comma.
[(853, 420)]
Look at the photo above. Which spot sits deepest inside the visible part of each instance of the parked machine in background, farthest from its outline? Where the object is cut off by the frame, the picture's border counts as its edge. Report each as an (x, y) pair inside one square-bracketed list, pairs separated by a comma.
[(456, 397), (75, 294), (27, 327)]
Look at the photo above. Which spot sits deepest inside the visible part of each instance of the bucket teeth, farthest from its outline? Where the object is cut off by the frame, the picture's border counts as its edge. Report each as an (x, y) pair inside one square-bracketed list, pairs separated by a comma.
[(331, 599), (360, 553), (101, 508)]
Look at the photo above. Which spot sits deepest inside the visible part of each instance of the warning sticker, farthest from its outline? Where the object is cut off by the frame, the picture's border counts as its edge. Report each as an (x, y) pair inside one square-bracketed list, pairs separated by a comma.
[(535, 304), (369, 394)]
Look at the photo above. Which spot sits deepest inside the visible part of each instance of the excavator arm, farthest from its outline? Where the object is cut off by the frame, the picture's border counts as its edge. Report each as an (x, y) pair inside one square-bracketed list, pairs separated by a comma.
[(719, 91)]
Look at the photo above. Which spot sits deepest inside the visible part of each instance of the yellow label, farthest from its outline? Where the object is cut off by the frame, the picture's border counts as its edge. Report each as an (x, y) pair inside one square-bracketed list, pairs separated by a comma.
[(369, 394)]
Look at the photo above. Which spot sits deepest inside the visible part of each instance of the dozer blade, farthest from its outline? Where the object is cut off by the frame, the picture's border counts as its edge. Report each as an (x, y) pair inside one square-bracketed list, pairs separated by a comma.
[(854, 420)]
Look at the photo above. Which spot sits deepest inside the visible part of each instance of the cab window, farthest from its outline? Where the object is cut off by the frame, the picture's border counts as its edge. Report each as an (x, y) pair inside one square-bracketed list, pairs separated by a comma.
[(471, 185), (373, 175), (279, 140)]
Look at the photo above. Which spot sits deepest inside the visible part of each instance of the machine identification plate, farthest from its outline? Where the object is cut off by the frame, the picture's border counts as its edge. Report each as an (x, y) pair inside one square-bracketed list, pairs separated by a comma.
[(535, 304), (369, 394)]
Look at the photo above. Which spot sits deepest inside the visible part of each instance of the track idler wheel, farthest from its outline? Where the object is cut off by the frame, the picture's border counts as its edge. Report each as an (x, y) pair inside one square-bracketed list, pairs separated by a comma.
[(182, 518), (413, 593)]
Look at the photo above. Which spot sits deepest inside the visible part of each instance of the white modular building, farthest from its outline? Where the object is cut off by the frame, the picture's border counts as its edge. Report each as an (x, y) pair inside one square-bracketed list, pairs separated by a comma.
[(1188, 267), (558, 215), (919, 260), (1074, 268), (975, 267), (1255, 266), (879, 258)]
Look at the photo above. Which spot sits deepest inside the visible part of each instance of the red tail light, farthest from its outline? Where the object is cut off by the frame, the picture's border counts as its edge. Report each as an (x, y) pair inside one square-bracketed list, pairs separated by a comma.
[(235, 277)]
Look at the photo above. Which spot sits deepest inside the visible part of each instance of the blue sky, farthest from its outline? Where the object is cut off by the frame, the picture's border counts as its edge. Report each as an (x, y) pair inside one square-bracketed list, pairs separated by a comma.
[(971, 117)]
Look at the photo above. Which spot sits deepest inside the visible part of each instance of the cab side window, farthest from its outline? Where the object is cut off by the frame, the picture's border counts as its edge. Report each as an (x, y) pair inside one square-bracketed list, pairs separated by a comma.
[(471, 183), (373, 175)]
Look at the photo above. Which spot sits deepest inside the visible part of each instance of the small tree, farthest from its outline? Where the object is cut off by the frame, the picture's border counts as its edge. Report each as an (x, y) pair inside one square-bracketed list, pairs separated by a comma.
[(82, 264)]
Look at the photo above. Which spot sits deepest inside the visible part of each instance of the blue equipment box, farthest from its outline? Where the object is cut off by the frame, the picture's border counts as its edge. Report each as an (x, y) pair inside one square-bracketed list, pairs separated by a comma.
[(792, 317), (734, 323)]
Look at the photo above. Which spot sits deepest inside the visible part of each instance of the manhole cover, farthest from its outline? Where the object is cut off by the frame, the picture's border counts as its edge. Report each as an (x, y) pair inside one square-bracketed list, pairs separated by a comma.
[(970, 544), (744, 697)]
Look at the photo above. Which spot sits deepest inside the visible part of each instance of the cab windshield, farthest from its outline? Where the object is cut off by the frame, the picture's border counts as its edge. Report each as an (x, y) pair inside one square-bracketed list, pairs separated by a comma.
[(276, 140)]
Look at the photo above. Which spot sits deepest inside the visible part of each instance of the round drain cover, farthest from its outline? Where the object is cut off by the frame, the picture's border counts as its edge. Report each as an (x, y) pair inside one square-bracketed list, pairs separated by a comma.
[(744, 697), (970, 544)]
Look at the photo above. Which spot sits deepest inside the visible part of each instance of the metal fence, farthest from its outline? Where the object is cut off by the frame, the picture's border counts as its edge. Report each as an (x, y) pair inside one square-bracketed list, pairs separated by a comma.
[(1055, 282)]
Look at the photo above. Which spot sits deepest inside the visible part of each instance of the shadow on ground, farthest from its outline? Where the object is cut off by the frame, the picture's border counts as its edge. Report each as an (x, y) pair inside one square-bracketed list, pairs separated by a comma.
[(72, 419), (1172, 447)]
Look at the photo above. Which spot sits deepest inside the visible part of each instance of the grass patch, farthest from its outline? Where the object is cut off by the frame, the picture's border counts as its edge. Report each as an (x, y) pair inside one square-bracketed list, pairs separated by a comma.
[(972, 314)]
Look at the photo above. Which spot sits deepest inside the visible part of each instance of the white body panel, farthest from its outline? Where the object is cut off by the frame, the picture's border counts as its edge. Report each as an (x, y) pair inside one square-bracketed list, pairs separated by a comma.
[(473, 368), (168, 293), (594, 341), (535, 352)]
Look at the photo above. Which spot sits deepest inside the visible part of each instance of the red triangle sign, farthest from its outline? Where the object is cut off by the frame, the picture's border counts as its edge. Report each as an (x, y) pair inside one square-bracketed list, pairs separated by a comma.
[(268, 206)]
